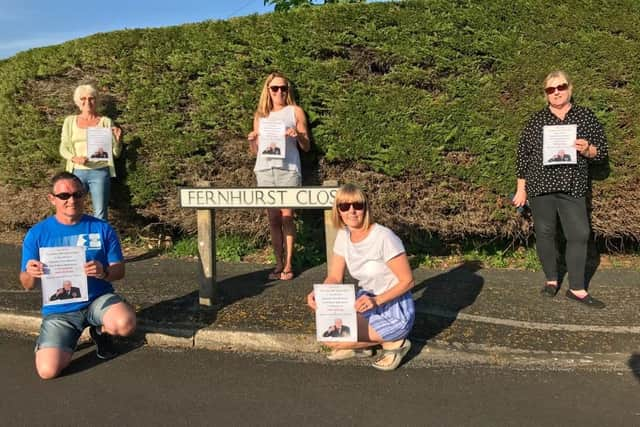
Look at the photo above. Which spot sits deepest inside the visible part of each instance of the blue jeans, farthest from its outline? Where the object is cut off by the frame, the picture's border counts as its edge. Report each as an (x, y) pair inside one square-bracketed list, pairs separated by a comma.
[(98, 183)]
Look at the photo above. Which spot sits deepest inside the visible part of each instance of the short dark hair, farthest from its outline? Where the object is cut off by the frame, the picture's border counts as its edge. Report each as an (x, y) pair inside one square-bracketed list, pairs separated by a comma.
[(61, 176)]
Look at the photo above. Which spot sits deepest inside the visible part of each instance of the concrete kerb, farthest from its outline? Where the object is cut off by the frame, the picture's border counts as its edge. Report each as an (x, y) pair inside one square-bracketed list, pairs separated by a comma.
[(181, 336), (216, 339), (162, 336), (20, 323), (436, 353)]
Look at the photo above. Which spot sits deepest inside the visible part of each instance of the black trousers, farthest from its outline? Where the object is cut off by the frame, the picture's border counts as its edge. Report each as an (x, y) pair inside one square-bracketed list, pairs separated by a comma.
[(546, 210)]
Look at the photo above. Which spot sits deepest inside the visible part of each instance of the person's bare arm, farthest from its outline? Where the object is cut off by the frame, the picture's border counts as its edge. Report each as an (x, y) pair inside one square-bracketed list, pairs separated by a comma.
[(115, 271), (253, 136), (399, 265), (31, 277), (335, 275), (302, 130)]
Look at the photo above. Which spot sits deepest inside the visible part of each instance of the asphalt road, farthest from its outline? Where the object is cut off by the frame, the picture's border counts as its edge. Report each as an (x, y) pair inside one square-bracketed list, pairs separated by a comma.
[(150, 386)]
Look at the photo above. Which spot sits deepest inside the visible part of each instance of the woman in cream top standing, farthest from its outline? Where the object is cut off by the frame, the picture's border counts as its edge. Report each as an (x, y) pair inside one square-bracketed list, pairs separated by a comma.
[(94, 174), (277, 104)]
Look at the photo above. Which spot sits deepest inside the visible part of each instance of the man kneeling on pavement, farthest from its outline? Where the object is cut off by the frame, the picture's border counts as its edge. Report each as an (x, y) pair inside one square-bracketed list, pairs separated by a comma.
[(105, 312)]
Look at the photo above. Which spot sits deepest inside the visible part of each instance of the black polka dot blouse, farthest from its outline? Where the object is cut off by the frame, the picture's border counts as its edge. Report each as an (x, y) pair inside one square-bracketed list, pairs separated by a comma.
[(570, 179)]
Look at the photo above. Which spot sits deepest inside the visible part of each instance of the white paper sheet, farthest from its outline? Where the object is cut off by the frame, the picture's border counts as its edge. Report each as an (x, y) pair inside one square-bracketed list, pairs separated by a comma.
[(64, 280), (336, 318), (558, 145), (271, 139), (99, 144)]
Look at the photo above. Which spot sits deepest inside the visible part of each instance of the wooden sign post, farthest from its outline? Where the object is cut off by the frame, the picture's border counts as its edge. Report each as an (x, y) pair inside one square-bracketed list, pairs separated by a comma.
[(206, 200)]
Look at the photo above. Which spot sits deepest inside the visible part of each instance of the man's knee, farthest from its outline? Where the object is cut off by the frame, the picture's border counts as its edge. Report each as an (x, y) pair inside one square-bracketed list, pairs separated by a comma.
[(47, 371), (120, 319), (50, 362), (127, 325)]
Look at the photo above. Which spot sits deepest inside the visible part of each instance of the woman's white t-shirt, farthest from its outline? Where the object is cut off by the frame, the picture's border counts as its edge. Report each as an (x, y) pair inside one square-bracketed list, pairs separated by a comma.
[(367, 259)]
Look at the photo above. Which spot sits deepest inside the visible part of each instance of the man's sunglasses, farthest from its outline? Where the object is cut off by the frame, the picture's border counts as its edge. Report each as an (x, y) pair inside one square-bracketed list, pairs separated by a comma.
[(344, 207), (275, 89), (560, 88), (67, 196)]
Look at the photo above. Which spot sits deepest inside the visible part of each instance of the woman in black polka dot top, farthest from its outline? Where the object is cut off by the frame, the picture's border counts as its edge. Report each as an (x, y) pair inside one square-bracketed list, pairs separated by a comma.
[(556, 183)]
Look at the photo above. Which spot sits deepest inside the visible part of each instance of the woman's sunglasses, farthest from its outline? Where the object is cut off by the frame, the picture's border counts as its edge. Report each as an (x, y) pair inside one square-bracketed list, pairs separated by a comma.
[(275, 89), (67, 196), (344, 207), (560, 88)]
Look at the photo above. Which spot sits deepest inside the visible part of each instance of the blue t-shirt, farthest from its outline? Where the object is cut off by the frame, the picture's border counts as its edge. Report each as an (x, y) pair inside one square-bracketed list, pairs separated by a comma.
[(97, 236)]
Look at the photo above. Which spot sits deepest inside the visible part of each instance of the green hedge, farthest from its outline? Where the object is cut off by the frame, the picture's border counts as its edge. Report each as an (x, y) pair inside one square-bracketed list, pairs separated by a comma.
[(428, 96)]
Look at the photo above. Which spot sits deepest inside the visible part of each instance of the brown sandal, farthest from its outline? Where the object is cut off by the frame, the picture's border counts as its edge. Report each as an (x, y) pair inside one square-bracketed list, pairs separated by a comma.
[(275, 274)]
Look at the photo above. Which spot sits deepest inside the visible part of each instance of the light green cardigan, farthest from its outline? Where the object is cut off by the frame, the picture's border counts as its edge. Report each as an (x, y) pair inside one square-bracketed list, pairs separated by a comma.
[(73, 142)]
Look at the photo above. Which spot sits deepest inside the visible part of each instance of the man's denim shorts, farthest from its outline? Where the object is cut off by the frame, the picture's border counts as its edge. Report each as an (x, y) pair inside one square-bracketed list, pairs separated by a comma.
[(62, 330)]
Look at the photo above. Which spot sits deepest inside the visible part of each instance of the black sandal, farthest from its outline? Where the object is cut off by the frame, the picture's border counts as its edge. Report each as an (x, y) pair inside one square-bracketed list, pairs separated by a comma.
[(549, 290)]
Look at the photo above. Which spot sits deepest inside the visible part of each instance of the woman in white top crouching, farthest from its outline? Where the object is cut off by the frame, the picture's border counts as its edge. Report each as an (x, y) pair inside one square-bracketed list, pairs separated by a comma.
[(376, 258)]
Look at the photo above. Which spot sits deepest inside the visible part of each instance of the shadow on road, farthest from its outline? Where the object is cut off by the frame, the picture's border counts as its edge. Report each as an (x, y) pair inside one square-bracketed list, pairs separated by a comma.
[(185, 312), (441, 299), (152, 253), (85, 357), (634, 364)]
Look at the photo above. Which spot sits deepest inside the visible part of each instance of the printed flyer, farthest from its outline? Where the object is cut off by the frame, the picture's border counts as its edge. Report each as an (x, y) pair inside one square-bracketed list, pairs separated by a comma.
[(64, 279), (336, 318), (271, 139)]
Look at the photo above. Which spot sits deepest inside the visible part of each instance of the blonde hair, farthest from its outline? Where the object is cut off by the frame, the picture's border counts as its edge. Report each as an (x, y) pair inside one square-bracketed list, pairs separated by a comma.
[(554, 75), (350, 193), (265, 105), (81, 90)]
